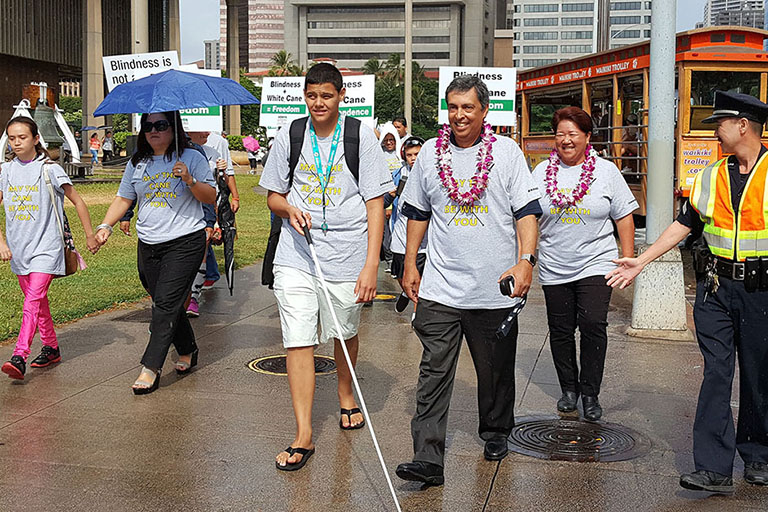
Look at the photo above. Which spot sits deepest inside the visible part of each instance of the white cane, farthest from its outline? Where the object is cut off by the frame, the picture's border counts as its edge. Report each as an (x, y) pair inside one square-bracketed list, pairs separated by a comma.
[(349, 364)]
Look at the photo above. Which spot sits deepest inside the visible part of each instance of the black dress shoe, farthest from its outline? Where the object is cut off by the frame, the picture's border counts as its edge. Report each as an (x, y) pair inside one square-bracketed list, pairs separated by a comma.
[(592, 409), (568, 401), (418, 471), (496, 448), (707, 481), (756, 473)]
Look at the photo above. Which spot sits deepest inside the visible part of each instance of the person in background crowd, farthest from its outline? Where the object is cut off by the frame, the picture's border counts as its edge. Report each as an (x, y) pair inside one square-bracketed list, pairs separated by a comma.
[(401, 125), (170, 188), (33, 241), (94, 147), (107, 146), (410, 150), (583, 196)]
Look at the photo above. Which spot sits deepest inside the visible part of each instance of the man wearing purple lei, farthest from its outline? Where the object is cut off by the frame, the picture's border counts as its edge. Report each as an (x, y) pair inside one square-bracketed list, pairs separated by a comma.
[(476, 194)]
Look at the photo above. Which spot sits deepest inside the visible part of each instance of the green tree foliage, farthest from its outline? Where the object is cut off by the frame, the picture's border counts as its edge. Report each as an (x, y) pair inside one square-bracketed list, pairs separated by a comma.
[(73, 110), (119, 138), (121, 123), (282, 64), (249, 114), (235, 142), (390, 93)]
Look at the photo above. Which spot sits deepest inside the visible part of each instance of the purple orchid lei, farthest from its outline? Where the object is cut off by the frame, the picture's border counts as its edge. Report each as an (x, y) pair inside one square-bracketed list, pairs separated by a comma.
[(582, 187), (478, 182)]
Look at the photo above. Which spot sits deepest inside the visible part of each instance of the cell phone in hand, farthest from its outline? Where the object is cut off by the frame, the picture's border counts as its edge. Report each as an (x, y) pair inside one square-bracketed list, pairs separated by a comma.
[(507, 285)]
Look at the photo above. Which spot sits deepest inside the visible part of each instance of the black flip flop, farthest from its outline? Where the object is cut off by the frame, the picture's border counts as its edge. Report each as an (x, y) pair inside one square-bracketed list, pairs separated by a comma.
[(348, 413), (305, 453)]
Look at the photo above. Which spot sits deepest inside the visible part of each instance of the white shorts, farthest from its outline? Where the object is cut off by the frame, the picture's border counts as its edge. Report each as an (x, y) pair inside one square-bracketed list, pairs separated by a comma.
[(301, 300)]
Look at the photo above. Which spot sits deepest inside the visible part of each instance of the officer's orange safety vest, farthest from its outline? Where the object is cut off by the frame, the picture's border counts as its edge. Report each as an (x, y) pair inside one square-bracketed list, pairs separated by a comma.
[(745, 232)]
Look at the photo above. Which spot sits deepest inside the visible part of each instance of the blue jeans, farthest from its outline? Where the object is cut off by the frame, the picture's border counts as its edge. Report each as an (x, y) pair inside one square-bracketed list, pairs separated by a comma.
[(211, 267), (94, 156)]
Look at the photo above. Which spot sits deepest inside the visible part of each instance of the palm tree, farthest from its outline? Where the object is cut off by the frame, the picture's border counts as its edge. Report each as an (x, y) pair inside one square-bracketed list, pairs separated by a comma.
[(282, 64), (374, 66), (395, 68)]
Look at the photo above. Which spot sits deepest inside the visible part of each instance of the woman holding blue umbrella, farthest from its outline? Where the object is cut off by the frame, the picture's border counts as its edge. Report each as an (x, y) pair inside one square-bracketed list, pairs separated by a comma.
[(170, 183)]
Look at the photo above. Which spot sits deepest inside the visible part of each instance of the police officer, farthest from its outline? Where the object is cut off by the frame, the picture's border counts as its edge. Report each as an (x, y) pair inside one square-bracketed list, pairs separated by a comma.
[(729, 204)]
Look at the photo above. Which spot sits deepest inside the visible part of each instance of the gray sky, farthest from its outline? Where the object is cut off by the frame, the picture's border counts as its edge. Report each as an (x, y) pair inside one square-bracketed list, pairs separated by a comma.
[(200, 21)]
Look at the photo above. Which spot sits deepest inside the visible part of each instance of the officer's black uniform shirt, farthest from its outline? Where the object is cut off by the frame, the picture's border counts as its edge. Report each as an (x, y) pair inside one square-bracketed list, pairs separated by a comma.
[(688, 217)]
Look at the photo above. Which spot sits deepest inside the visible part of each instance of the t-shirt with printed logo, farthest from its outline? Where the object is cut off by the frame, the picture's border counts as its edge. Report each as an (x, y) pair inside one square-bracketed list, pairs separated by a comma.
[(469, 247), (578, 241), (31, 230), (167, 207), (342, 250)]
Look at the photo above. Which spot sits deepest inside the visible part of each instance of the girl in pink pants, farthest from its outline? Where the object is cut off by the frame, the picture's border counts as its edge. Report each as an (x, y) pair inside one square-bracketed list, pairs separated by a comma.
[(34, 243)]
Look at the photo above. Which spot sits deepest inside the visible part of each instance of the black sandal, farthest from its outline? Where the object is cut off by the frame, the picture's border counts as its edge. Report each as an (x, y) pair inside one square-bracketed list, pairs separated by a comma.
[(348, 413), (305, 453)]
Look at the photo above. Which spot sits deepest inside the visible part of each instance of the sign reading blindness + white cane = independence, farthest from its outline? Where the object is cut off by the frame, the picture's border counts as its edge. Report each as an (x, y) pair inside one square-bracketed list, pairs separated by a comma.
[(282, 100), (501, 83)]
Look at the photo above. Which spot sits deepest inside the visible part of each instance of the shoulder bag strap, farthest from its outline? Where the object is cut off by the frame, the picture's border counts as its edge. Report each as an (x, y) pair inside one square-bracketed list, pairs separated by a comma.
[(49, 185)]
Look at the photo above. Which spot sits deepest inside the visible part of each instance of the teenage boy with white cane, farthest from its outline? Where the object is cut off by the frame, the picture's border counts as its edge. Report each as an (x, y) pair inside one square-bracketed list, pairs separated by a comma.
[(326, 172)]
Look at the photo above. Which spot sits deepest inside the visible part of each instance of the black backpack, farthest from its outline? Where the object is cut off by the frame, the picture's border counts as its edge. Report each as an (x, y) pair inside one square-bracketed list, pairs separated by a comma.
[(351, 156)]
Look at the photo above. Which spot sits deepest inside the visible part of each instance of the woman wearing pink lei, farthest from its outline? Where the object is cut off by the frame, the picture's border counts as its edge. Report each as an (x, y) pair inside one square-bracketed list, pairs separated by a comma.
[(584, 195)]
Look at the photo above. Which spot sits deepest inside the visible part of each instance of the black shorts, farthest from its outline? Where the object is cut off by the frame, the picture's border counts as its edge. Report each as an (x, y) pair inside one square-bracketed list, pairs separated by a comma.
[(398, 264)]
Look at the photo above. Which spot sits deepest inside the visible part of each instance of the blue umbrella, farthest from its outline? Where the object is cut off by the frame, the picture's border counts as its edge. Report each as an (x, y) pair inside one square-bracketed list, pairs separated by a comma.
[(173, 90)]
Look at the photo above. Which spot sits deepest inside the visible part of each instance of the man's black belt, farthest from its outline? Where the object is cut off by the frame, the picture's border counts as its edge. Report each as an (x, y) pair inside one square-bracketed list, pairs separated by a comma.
[(734, 270)]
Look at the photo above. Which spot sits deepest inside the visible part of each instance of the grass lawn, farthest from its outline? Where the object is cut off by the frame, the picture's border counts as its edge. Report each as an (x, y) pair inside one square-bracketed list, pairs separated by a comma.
[(111, 278)]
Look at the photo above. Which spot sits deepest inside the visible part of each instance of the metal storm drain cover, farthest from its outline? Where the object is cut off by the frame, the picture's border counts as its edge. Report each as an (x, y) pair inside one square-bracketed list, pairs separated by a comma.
[(576, 441), (275, 365)]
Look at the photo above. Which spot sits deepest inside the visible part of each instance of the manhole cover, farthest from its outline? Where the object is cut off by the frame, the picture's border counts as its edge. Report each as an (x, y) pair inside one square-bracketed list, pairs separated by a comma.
[(576, 441), (275, 365)]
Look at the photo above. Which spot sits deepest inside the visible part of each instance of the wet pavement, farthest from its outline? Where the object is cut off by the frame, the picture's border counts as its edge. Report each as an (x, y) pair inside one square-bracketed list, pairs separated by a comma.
[(74, 437)]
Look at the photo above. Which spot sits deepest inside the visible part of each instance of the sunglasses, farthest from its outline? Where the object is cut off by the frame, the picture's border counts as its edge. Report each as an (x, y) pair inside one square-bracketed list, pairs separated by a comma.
[(412, 142), (159, 126)]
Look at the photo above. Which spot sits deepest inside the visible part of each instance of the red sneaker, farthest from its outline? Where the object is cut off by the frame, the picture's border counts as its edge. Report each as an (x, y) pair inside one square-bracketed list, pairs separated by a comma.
[(47, 357), (15, 368), (208, 284)]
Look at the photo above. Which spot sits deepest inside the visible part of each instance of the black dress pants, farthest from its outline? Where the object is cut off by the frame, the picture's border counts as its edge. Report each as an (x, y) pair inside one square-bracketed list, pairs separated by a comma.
[(731, 323), (584, 304), (167, 270), (440, 329)]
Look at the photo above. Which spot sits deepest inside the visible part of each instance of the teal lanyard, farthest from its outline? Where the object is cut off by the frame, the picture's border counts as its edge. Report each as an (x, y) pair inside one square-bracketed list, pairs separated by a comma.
[(324, 174)]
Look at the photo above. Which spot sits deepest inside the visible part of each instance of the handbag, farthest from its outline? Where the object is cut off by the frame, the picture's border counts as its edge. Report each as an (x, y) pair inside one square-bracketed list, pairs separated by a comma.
[(71, 257)]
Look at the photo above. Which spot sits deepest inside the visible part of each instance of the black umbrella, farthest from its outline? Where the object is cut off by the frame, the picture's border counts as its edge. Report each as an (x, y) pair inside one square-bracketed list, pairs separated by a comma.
[(226, 219)]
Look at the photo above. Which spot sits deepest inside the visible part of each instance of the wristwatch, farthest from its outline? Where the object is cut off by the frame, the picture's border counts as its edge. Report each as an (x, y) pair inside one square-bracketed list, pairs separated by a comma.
[(194, 182), (530, 258)]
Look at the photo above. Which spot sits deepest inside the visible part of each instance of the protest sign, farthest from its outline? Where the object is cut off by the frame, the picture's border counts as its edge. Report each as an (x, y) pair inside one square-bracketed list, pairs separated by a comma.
[(501, 83)]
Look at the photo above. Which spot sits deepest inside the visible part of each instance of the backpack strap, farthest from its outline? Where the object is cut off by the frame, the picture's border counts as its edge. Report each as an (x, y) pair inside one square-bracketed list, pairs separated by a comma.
[(352, 145), (297, 129)]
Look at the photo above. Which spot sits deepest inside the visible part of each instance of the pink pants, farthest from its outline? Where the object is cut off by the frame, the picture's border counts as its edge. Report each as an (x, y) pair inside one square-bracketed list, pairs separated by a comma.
[(36, 313)]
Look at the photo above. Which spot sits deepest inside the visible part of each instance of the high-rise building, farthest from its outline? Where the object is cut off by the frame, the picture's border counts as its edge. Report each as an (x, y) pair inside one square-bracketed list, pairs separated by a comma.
[(260, 32), (744, 13), (444, 32), (546, 32), (212, 54)]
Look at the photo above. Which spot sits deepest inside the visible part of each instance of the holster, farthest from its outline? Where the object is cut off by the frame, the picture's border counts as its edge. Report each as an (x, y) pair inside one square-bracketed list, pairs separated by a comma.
[(752, 274), (701, 256), (763, 273)]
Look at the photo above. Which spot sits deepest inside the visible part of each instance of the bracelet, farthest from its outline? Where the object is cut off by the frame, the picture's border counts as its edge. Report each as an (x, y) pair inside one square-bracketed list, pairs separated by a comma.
[(235, 198), (104, 226)]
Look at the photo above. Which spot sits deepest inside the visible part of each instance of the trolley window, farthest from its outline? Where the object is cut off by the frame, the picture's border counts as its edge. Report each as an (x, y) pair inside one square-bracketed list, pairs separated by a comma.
[(543, 105), (705, 83)]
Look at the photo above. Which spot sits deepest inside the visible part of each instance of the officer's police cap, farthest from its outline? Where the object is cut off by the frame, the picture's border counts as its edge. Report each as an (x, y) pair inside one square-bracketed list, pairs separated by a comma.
[(734, 104)]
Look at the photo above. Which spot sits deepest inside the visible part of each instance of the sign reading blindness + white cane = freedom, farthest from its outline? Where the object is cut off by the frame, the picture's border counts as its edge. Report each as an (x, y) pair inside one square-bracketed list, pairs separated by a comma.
[(501, 83)]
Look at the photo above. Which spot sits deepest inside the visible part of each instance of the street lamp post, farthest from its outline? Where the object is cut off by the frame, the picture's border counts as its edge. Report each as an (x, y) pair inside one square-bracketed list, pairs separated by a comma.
[(408, 61)]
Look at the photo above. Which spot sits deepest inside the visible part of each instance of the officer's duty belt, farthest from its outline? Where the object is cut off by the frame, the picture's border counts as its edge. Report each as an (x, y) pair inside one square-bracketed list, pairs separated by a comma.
[(730, 269)]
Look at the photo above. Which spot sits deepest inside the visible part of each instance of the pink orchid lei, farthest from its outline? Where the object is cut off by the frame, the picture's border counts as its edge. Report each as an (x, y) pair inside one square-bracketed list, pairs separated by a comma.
[(478, 182), (580, 190)]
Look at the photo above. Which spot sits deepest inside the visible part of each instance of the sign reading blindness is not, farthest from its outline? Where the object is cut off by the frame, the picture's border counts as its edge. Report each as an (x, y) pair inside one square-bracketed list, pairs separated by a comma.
[(501, 83)]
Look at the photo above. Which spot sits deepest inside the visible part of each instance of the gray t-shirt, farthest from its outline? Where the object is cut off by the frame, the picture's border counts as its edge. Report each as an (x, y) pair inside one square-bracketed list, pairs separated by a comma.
[(30, 224), (578, 242), (167, 208), (343, 249), (468, 248), (400, 226), (220, 144)]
